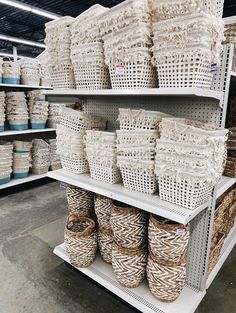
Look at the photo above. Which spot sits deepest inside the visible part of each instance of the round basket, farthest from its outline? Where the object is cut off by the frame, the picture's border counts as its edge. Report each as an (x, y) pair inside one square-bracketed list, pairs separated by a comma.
[(166, 280), (80, 201), (129, 265), (80, 240), (105, 242), (167, 239), (128, 225), (22, 146), (103, 207)]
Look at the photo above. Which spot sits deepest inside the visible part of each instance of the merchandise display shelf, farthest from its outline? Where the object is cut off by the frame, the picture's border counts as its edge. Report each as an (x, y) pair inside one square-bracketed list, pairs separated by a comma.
[(233, 74), (27, 131), (140, 297), (195, 92), (230, 19), (149, 203), (224, 184), (19, 181), (24, 86), (228, 246)]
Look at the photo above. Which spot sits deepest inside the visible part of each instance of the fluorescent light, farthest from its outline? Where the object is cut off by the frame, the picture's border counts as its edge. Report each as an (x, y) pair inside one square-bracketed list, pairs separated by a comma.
[(30, 8), (23, 41)]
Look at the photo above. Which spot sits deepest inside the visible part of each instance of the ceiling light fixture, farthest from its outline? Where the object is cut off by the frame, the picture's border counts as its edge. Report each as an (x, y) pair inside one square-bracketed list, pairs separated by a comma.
[(30, 8), (23, 41)]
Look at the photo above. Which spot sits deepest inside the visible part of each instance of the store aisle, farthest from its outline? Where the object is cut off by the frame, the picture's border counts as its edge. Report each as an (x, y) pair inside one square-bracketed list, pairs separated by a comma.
[(34, 280)]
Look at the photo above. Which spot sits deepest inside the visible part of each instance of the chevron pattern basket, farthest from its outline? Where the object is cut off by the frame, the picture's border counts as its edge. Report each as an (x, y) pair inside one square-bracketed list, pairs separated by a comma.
[(80, 201), (129, 265), (105, 242), (168, 240), (80, 240), (103, 206), (128, 225), (166, 280)]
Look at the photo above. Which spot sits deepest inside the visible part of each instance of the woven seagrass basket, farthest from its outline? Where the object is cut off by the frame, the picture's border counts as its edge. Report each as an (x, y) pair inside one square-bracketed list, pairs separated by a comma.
[(166, 279), (128, 225), (80, 240), (103, 206), (105, 242), (215, 253), (129, 265), (168, 240), (80, 201)]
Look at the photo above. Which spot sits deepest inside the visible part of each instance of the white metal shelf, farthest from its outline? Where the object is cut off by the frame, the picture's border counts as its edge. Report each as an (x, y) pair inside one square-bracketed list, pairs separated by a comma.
[(149, 203), (140, 297), (24, 86), (19, 181), (224, 184), (230, 19), (195, 92), (229, 244), (233, 74), (27, 131)]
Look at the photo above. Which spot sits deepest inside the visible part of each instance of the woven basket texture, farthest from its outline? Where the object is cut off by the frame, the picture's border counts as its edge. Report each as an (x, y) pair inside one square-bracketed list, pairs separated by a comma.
[(80, 201), (215, 253), (166, 280), (168, 240), (129, 265), (80, 240), (128, 225), (105, 242), (103, 207)]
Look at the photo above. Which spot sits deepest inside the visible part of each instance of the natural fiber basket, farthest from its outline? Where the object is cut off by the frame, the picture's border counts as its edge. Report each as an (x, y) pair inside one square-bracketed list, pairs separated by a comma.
[(129, 265), (128, 225), (166, 279), (230, 167), (80, 240), (103, 207), (215, 253), (80, 201), (105, 242), (167, 239)]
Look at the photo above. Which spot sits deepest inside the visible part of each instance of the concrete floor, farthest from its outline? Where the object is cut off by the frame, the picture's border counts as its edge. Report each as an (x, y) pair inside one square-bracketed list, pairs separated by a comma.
[(34, 280)]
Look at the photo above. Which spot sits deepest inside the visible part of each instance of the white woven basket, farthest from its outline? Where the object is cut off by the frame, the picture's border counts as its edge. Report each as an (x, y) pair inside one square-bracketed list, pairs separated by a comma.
[(168, 9), (140, 119), (62, 77), (136, 137), (143, 153), (77, 165), (107, 173)]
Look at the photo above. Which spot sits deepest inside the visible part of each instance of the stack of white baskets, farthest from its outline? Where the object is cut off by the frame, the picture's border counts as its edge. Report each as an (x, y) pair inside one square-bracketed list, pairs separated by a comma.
[(139, 130), (30, 73), (102, 156), (70, 138), (58, 51), (6, 150), (190, 158), (40, 156), (45, 77), (10, 72), (21, 158), (87, 51), (55, 161), (230, 37), (126, 32), (38, 109), (187, 45), (17, 110), (2, 110), (54, 115)]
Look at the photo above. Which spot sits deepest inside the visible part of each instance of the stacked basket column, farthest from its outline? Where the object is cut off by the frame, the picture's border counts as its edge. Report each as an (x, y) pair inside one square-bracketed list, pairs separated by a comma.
[(2, 110)]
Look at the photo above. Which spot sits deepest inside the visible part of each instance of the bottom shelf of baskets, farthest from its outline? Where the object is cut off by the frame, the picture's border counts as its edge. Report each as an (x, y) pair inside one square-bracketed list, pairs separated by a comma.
[(19, 181), (139, 297), (225, 251)]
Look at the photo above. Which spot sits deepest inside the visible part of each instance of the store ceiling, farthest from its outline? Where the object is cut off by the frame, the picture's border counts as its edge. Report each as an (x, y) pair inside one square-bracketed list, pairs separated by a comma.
[(22, 24)]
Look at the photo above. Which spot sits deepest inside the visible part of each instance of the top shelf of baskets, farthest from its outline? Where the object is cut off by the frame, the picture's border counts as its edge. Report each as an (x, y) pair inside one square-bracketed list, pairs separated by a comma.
[(23, 86), (195, 92)]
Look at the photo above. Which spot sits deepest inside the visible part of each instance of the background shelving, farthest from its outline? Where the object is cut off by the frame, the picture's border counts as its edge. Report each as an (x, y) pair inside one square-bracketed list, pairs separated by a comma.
[(27, 131), (15, 182)]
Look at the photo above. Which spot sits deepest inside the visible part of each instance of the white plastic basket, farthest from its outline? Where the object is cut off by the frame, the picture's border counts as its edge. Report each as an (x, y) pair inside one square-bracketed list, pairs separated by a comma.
[(92, 76), (143, 153), (188, 194), (140, 119), (168, 9), (62, 77), (77, 165), (136, 74), (138, 175), (103, 172)]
